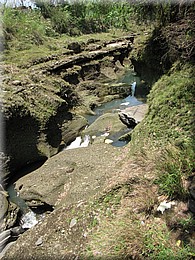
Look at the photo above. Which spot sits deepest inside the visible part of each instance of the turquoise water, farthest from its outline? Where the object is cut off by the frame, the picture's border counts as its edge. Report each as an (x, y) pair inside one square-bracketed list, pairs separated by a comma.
[(117, 105)]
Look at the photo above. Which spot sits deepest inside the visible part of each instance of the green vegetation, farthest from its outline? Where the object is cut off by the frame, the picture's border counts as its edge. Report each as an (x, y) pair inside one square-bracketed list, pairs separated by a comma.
[(33, 26), (162, 12), (158, 245), (24, 27), (169, 129), (175, 166), (187, 223), (120, 232)]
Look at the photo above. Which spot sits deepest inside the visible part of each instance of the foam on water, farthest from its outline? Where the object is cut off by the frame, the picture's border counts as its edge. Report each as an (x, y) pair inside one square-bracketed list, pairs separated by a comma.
[(79, 142), (29, 220)]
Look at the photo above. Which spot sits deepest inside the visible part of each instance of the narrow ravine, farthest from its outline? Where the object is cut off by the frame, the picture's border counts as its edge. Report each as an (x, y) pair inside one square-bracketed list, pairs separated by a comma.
[(122, 91), (28, 218)]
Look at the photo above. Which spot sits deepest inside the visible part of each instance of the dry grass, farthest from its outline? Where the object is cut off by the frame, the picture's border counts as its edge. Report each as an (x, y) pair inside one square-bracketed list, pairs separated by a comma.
[(132, 227)]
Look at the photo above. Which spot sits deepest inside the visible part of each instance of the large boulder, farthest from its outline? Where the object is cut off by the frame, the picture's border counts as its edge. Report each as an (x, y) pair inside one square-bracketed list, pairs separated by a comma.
[(72, 175), (106, 126)]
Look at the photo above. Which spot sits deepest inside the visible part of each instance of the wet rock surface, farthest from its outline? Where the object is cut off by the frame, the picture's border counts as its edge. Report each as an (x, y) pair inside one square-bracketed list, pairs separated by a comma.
[(107, 123)]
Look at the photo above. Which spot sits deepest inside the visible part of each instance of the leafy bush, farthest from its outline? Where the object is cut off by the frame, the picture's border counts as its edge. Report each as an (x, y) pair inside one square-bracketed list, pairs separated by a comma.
[(162, 12), (77, 17), (61, 20)]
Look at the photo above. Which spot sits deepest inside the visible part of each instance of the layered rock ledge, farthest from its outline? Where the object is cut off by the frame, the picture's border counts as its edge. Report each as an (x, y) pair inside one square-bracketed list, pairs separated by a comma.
[(45, 100)]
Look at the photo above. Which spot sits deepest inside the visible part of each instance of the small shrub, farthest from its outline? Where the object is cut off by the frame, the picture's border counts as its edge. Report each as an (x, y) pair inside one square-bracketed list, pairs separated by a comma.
[(187, 224)]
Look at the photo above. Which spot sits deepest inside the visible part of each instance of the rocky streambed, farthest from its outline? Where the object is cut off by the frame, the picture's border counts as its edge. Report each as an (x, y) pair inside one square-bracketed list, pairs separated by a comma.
[(51, 95), (45, 107), (74, 175)]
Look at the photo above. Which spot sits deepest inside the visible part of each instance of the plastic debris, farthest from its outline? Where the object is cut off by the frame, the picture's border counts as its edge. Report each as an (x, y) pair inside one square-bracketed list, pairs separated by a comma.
[(108, 141), (73, 222), (165, 205)]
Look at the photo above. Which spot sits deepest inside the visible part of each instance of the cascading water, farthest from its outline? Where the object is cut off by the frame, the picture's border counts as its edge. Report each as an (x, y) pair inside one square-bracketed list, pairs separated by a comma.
[(113, 106), (79, 142), (133, 85), (29, 218)]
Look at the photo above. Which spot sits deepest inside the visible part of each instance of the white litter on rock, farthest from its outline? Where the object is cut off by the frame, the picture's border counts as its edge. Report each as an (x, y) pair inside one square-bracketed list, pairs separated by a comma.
[(29, 220), (105, 134), (73, 222), (108, 141), (165, 205)]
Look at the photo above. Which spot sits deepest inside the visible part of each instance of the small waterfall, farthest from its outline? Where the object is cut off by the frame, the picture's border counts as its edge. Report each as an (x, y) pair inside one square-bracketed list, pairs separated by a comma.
[(86, 141), (28, 220), (79, 142), (15, 198), (133, 85)]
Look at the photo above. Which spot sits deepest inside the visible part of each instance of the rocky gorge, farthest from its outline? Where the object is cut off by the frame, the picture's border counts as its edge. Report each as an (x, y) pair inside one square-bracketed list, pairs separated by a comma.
[(96, 198), (44, 109), (42, 100)]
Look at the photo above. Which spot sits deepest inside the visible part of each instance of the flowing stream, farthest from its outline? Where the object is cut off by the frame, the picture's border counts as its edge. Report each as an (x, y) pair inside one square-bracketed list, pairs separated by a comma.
[(113, 106), (116, 105)]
